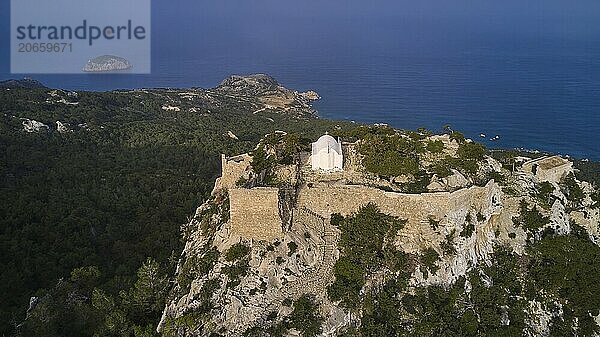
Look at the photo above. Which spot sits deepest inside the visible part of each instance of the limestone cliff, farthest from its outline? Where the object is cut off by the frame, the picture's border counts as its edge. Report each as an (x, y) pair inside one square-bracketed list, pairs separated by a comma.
[(221, 291)]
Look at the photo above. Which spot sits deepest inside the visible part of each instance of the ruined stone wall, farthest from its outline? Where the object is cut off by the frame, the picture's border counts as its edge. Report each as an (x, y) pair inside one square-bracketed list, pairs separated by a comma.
[(352, 159), (551, 169), (325, 199), (450, 209), (287, 174), (255, 213), (554, 174), (232, 169)]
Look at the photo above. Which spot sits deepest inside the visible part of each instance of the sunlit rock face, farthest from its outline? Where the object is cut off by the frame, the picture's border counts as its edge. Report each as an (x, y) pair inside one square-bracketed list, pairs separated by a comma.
[(30, 125)]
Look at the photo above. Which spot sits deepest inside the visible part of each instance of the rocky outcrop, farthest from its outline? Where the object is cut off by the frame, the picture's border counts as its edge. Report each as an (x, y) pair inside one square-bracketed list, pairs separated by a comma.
[(270, 95), (463, 227), (590, 220), (310, 95), (232, 135), (299, 261), (453, 182), (287, 262), (107, 63), (62, 127), (252, 85), (539, 318), (30, 125), (171, 108)]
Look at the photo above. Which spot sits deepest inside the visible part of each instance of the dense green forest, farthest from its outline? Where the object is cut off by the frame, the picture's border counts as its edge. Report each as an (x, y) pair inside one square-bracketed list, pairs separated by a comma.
[(81, 212)]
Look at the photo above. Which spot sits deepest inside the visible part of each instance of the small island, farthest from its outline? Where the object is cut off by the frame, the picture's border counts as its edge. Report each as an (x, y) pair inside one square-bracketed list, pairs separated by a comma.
[(107, 63)]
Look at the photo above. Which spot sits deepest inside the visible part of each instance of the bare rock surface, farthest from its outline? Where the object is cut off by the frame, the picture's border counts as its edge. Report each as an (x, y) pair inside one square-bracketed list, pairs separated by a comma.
[(30, 126)]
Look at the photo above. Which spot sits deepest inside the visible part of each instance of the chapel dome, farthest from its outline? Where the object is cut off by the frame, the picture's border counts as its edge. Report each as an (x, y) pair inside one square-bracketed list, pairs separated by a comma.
[(327, 142)]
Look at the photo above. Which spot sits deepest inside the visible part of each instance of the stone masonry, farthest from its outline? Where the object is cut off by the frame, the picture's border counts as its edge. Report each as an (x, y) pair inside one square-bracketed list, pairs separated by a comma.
[(255, 213), (551, 169), (232, 169), (449, 209)]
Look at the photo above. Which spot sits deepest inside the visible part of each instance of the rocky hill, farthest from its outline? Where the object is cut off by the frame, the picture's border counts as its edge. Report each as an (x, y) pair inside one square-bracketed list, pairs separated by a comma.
[(26, 83), (485, 249), (269, 92)]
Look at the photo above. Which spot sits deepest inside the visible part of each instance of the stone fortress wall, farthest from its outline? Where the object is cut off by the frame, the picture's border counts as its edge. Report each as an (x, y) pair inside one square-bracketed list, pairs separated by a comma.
[(232, 168), (255, 213), (551, 169), (450, 209), (325, 199)]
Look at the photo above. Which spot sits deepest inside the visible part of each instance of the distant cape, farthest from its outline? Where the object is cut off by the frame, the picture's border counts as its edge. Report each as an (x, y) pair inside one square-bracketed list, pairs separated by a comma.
[(26, 83)]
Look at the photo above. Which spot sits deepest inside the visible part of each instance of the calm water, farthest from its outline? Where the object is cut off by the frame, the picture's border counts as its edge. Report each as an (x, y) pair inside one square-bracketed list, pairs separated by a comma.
[(528, 71)]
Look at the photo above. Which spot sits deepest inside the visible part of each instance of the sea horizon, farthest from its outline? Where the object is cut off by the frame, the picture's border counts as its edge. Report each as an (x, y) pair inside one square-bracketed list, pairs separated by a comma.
[(527, 73)]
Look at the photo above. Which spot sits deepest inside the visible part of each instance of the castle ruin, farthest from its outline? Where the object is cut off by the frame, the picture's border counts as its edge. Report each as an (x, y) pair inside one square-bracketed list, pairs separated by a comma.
[(550, 169), (256, 213)]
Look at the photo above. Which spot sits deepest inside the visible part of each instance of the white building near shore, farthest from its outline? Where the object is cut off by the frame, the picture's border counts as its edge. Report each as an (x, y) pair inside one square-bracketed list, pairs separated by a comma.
[(327, 154)]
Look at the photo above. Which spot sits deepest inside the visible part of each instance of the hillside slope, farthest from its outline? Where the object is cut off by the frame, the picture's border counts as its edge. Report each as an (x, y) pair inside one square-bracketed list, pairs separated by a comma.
[(508, 252), (103, 180)]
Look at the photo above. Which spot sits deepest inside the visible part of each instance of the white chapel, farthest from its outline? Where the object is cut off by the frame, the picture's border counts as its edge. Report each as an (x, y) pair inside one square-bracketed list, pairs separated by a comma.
[(327, 154)]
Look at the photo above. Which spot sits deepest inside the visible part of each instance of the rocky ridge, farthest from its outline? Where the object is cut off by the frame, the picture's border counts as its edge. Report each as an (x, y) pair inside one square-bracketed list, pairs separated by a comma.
[(269, 92), (278, 274), (26, 83)]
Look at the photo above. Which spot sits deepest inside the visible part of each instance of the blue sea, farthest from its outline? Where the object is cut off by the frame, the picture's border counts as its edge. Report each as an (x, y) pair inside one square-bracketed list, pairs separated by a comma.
[(527, 71)]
